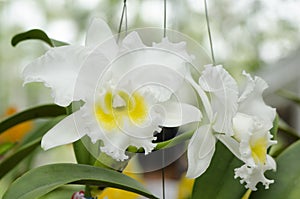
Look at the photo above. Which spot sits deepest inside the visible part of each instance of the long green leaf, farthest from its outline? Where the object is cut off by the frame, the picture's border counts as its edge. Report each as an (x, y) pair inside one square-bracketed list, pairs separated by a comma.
[(30, 145), (287, 176), (64, 192), (44, 111), (82, 154), (5, 147), (290, 96), (37, 182), (36, 34), (218, 181), (9, 163)]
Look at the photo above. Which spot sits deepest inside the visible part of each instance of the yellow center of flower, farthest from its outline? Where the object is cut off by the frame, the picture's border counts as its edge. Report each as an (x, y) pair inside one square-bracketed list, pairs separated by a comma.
[(119, 108), (259, 150)]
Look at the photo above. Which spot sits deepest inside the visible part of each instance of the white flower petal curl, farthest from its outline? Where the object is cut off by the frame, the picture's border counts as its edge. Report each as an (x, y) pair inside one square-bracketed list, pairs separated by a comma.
[(133, 41), (99, 33), (178, 48), (67, 60), (200, 151), (224, 95), (65, 132), (178, 114), (253, 175), (252, 103)]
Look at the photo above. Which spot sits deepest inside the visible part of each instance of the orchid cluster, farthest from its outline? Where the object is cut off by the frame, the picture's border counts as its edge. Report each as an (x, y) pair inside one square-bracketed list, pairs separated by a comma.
[(131, 90)]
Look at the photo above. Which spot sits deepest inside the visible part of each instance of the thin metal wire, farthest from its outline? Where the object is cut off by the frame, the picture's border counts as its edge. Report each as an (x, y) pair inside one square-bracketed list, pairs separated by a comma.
[(163, 172), (163, 136), (124, 13), (209, 34), (165, 18)]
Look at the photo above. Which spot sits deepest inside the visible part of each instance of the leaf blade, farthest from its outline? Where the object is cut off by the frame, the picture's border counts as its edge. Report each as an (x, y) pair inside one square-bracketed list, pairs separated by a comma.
[(42, 180), (36, 34), (219, 177), (26, 148), (31, 34), (49, 110)]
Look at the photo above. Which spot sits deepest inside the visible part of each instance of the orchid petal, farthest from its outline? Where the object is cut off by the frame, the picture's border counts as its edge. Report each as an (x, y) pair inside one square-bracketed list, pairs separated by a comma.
[(203, 97), (177, 48), (231, 144), (178, 114), (134, 58), (133, 41), (252, 103), (224, 95), (117, 140), (200, 151), (99, 33), (67, 131), (152, 77), (253, 175), (67, 60)]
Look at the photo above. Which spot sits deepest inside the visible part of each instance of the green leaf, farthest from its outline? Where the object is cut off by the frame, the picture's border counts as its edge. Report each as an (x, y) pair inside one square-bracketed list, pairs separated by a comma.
[(44, 111), (42, 129), (284, 127), (31, 34), (218, 180), (8, 163), (63, 192), (36, 34), (82, 154), (39, 181), (58, 43), (5, 147), (287, 176), (274, 129), (290, 96)]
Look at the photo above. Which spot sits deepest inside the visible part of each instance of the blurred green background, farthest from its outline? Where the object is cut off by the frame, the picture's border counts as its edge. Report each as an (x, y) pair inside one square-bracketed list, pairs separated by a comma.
[(251, 35)]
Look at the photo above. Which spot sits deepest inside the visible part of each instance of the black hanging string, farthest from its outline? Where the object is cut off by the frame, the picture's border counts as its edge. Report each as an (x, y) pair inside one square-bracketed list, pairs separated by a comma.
[(124, 14), (209, 34), (163, 134)]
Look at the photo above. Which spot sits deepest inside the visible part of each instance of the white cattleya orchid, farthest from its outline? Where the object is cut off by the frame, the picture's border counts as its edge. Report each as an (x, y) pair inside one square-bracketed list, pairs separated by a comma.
[(220, 109), (127, 90), (242, 124), (252, 136)]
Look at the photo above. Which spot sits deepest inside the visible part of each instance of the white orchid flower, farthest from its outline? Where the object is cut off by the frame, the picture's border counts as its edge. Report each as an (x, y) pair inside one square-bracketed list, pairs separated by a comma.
[(127, 89), (220, 104), (252, 136)]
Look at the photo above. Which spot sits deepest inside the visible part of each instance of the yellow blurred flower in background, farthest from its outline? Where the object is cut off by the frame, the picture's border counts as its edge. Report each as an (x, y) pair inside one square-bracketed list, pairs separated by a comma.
[(16, 133)]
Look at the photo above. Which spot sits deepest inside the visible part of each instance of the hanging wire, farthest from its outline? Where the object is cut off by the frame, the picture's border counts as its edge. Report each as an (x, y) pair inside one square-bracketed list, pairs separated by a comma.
[(163, 170), (163, 135), (165, 18), (209, 33), (124, 14)]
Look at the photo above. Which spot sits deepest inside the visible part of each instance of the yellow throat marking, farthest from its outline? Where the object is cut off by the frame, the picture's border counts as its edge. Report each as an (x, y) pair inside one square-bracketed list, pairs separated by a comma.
[(259, 150), (135, 110)]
